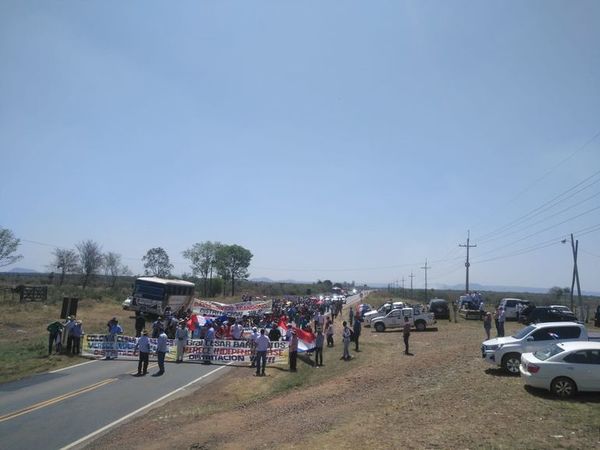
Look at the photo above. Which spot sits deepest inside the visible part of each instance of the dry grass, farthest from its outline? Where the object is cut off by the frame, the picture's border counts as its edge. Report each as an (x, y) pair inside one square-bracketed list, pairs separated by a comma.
[(24, 339), (444, 396)]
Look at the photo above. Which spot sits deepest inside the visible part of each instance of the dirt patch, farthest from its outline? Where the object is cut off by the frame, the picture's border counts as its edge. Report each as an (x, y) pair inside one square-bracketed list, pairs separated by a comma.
[(444, 396)]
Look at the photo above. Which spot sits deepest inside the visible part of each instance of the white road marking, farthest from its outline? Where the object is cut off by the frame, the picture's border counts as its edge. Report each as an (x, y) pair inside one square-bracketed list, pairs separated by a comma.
[(137, 411), (71, 367)]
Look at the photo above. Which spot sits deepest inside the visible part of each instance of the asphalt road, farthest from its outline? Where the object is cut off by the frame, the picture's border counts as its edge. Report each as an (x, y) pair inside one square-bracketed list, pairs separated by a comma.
[(69, 407), (58, 409)]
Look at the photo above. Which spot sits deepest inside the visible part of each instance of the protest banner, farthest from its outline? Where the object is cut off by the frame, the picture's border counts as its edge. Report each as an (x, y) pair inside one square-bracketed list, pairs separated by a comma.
[(210, 308), (217, 351)]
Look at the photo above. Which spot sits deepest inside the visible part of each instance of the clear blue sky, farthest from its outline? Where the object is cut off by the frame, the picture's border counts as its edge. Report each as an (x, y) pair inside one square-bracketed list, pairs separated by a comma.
[(347, 140)]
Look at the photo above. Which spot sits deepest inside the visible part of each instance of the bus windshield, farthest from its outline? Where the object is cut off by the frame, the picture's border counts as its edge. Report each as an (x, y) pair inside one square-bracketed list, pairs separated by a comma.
[(149, 290)]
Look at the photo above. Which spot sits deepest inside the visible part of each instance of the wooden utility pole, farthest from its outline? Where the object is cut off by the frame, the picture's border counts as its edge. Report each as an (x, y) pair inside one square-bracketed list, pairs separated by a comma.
[(575, 249), (411, 284), (403, 292), (467, 263), (426, 267)]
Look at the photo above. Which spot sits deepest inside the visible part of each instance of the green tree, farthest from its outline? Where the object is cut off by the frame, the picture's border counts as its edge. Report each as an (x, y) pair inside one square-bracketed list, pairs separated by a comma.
[(8, 246), (232, 262), (156, 263), (66, 261), (91, 259), (202, 257)]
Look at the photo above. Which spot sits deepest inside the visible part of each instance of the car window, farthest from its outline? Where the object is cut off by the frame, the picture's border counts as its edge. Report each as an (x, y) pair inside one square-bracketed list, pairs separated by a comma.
[(580, 357), (594, 356), (548, 352), (510, 303), (396, 313), (568, 332), (545, 334), (523, 332)]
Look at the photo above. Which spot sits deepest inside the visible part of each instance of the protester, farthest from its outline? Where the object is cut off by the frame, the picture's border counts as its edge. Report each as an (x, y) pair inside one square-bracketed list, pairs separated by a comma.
[(357, 328), (262, 346), (68, 332), (114, 329), (329, 330), (274, 334), (143, 345), (350, 315), (253, 338), (140, 323), (319, 341), (162, 349), (293, 350), (346, 333), (54, 336), (406, 334), (501, 317), (181, 337), (236, 331), (157, 327), (209, 337), (77, 332), (487, 324)]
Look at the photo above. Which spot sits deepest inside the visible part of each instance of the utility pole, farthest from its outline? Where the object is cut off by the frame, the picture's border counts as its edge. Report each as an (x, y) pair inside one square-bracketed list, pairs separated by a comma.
[(575, 249), (411, 284), (426, 267), (467, 263), (403, 292)]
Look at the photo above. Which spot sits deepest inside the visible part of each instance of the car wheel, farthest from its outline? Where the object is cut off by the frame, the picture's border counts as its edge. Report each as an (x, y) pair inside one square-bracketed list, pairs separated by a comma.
[(420, 325), (511, 363), (379, 327), (563, 387)]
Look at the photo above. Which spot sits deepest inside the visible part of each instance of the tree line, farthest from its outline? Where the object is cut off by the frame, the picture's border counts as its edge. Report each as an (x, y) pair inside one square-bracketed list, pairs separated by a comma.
[(208, 260)]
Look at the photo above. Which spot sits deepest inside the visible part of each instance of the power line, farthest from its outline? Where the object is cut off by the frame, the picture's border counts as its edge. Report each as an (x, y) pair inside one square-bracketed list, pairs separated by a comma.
[(541, 207), (545, 219), (541, 231)]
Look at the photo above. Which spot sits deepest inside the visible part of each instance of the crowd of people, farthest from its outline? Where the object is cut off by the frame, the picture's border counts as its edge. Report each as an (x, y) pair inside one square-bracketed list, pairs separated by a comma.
[(310, 316), (65, 334)]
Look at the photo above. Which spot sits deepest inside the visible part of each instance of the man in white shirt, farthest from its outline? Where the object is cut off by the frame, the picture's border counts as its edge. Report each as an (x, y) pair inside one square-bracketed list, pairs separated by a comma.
[(262, 346), (236, 331), (143, 345)]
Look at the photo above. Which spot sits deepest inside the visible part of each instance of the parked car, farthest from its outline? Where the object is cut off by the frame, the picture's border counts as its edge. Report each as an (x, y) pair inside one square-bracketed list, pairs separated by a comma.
[(439, 308), (420, 320), (510, 306), (564, 368), (506, 352), (546, 314), (382, 311)]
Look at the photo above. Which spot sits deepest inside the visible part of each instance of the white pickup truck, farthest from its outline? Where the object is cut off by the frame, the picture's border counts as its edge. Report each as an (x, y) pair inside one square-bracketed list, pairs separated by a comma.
[(418, 319), (506, 351), (382, 311)]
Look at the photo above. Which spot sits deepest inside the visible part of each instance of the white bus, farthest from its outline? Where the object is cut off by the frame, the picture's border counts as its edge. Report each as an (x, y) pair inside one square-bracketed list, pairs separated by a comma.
[(152, 295)]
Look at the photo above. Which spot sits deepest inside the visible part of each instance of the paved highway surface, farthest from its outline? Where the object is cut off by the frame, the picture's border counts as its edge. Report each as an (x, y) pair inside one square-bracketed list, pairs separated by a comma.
[(68, 407), (58, 409)]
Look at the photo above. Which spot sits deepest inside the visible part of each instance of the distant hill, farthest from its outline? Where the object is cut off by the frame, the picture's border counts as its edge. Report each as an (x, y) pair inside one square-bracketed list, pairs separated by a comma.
[(21, 270)]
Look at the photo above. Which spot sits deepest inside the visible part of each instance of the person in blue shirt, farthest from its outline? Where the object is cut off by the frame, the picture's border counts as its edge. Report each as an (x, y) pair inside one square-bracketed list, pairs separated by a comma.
[(162, 349), (143, 345), (114, 329)]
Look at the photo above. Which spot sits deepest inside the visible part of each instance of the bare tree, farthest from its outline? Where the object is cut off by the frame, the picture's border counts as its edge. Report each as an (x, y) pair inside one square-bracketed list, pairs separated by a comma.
[(91, 259), (113, 267), (156, 263), (8, 246), (66, 261)]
